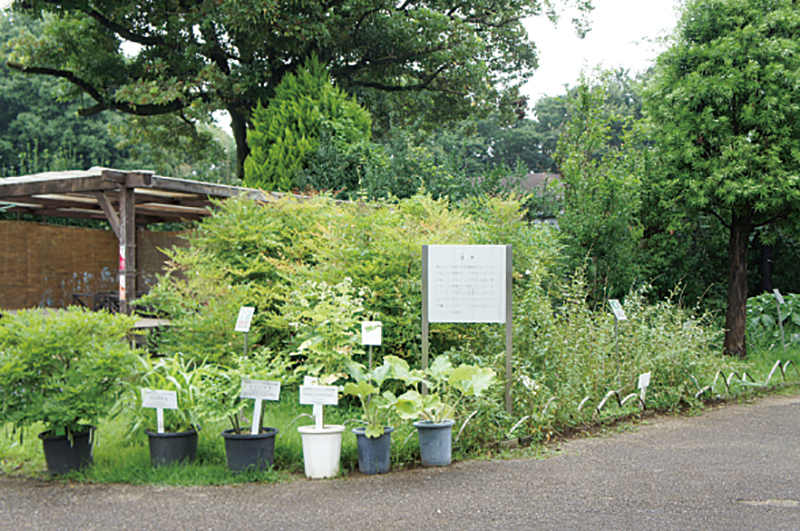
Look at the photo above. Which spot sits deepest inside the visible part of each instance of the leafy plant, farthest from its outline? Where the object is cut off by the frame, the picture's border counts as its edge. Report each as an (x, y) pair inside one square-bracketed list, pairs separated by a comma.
[(176, 373), (762, 317), (447, 386), (326, 318), (219, 395), (376, 407), (63, 369)]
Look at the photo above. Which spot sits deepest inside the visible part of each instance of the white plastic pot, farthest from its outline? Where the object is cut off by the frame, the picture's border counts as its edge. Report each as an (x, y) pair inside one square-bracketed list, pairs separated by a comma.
[(322, 449)]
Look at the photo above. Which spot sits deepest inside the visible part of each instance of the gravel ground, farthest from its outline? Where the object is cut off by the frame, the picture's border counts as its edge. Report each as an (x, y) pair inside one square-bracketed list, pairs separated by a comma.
[(735, 467)]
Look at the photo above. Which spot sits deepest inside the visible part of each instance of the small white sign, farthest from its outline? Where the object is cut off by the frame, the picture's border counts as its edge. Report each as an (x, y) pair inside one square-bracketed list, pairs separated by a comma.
[(616, 307), (159, 399), (371, 332), (778, 296), (260, 389), (644, 380), (319, 395), (244, 319)]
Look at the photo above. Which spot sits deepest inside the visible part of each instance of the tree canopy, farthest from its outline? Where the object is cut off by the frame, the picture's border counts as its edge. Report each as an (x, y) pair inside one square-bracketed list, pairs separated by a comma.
[(205, 55), (725, 111)]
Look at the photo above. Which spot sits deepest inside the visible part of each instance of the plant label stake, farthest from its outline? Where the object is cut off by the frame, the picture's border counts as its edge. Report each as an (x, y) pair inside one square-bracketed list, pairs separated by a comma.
[(644, 381), (316, 411), (371, 335), (159, 400), (779, 300), (243, 323), (259, 390), (319, 395), (619, 315)]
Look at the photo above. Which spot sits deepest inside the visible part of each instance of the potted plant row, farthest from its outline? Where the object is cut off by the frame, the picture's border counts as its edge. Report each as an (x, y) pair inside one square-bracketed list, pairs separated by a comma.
[(64, 370)]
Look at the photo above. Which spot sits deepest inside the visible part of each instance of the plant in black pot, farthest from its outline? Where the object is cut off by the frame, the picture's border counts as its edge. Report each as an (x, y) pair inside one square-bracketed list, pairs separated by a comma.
[(163, 401), (235, 394), (434, 413), (63, 369), (373, 440)]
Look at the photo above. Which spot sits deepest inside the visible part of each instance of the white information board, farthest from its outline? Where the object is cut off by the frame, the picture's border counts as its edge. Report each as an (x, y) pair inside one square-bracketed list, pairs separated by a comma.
[(159, 399), (260, 389), (616, 307), (644, 380), (244, 319), (371, 333), (778, 296), (319, 395), (467, 283)]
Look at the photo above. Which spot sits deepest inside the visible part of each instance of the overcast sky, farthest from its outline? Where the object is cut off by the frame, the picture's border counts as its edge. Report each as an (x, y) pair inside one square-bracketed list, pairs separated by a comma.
[(623, 33)]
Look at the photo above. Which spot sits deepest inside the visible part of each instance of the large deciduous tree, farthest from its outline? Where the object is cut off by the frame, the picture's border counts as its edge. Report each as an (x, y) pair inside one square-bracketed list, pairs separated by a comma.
[(198, 56), (725, 109)]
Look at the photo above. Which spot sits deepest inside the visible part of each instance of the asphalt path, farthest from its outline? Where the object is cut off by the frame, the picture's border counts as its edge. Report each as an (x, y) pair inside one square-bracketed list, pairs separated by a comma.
[(735, 467)]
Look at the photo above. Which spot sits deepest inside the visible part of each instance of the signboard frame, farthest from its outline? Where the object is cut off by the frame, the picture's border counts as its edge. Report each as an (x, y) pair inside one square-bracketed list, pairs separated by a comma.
[(492, 270)]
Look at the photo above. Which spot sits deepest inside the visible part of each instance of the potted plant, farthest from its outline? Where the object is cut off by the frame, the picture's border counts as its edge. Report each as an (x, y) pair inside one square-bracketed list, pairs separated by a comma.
[(325, 318), (221, 399), (374, 440), (435, 411), (65, 370), (178, 440)]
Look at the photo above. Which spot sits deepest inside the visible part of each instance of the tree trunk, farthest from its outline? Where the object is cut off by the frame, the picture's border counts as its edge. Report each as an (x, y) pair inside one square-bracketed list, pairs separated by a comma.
[(239, 129), (736, 314)]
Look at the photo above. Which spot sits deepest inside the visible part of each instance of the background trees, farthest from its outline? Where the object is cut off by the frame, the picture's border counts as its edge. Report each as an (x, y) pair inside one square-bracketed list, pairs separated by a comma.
[(447, 59), (726, 117)]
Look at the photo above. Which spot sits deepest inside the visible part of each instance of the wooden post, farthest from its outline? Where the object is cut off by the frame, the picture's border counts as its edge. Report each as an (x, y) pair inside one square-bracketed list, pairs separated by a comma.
[(127, 248)]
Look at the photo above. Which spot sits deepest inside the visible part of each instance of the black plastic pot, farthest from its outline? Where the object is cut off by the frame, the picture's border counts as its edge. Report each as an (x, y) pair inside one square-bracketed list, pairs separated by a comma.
[(374, 455), (247, 450), (168, 448), (64, 455)]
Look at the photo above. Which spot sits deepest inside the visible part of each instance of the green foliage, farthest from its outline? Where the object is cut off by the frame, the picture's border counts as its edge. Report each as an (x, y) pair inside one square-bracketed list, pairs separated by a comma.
[(422, 61), (64, 369), (376, 406), (762, 318), (726, 121), (447, 387), (326, 319), (175, 373), (601, 184), (305, 110), (222, 384)]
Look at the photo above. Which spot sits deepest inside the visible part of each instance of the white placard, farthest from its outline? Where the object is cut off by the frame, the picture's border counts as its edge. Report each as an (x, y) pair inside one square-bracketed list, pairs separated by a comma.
[(778, 296), (244, 319), (260, 389), (319, 395), (644, 380), (616, 307), (159, 399), (371, 332), (466, 283)]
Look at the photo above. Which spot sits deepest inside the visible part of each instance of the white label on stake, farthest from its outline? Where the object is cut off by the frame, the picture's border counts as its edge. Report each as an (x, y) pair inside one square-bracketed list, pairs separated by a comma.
[(256, 417), (260, 389), (644, 380), (616, 307), (159, 399), (778, 296), (371, 333), (244, 319), (323, 395)]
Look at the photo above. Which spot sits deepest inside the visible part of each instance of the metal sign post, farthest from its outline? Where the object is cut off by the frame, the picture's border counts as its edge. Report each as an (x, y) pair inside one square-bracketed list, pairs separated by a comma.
[(619, 315)]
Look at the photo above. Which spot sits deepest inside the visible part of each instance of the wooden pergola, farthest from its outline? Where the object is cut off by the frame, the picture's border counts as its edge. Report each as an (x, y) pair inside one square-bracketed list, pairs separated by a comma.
[(123, 198)]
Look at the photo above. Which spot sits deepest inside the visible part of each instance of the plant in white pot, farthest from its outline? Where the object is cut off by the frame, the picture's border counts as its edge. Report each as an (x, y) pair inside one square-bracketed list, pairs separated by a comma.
[(375, 439), (171, 426), (64, 369), (434, 413), (235, 394), (326, 319)]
